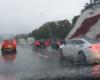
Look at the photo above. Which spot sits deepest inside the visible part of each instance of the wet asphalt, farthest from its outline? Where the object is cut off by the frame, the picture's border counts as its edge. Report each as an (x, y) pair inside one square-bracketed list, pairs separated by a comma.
[(28, 64)]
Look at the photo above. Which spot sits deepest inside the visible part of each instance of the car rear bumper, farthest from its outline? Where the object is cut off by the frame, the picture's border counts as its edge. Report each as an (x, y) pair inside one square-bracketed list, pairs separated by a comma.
[(97, 60), (93, 61), (93, 57), (8, 49)]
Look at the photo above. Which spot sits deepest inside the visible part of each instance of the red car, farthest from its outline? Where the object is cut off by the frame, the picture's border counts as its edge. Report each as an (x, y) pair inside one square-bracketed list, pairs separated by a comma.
[(8, 45)]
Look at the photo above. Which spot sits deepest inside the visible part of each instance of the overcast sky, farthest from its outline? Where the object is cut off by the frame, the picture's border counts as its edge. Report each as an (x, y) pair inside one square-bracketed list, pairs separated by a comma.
[(20, 16)]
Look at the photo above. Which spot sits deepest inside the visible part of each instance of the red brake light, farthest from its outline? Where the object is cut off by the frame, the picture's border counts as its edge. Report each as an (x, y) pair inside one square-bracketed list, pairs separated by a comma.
[(3, 42), (95, 48)]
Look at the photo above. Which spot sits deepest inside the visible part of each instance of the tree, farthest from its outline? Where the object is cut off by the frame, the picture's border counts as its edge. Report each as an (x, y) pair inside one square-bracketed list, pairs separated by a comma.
[(59, 29)]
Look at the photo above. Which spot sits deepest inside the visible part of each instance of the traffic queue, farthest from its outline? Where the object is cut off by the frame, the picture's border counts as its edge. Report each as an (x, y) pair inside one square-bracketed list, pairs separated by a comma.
[(40, 44)]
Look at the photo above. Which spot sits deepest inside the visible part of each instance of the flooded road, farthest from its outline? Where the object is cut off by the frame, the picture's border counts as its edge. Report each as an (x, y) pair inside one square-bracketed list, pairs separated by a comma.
[(27, 64)]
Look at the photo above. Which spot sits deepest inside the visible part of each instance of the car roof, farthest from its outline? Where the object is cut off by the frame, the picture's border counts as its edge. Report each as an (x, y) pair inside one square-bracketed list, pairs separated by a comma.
[(78, 39), (87, 40)]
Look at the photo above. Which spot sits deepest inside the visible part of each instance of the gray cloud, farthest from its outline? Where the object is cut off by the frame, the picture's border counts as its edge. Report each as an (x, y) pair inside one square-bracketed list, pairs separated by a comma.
[(19, 16)]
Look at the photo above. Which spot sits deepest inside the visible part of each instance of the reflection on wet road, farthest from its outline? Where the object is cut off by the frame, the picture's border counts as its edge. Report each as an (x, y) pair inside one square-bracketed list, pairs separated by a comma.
[(25, 61), (96, 71), (27, 64)]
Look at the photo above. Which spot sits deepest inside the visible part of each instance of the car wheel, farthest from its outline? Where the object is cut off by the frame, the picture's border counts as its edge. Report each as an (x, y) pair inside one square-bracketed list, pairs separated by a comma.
[(14, 50), (81, 57), (3, 51)]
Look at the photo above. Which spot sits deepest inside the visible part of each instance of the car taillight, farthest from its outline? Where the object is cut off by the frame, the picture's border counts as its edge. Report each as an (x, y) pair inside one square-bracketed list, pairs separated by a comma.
[(3, 42), (14, 43), (95, 48)]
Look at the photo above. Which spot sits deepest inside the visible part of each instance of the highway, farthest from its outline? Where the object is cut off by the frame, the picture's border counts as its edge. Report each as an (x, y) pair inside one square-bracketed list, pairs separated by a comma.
[(28, 64)]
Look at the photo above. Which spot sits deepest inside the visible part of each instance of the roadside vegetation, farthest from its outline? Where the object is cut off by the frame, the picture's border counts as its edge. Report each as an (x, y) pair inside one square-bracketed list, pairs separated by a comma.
[(59, 29)]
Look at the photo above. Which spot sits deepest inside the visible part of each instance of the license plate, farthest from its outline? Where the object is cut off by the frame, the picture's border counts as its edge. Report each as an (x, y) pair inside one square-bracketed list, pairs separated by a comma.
[(9, 49), (9, 46)]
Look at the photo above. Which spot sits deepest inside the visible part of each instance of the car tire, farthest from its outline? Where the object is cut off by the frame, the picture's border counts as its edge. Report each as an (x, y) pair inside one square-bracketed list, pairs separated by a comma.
[(81, 57), (3, 51), (14, 50)]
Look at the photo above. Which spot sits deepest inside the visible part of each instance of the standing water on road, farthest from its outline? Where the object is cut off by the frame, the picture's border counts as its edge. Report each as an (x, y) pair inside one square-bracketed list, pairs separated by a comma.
[(27, 64)]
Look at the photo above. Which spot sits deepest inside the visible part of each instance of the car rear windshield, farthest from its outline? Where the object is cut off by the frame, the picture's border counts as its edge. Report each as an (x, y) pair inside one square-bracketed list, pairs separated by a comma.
[(8, 41)]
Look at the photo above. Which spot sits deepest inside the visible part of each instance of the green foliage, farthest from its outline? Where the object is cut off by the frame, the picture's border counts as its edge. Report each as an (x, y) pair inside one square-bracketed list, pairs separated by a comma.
[(59, 30)]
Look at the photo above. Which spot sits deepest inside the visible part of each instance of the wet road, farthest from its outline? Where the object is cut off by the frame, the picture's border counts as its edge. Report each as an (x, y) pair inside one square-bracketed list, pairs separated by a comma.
[(27, 64)]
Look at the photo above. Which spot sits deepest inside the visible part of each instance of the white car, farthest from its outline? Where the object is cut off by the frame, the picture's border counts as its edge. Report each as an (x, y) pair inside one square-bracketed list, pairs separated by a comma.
[(82, 50)]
